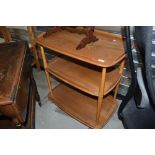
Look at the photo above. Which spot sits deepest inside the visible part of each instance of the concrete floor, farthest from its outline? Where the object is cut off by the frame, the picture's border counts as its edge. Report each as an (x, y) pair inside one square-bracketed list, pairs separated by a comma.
[(49, 116)]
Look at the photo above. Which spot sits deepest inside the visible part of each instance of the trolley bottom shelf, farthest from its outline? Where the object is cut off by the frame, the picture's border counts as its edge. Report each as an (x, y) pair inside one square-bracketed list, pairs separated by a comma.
[(82, 107)]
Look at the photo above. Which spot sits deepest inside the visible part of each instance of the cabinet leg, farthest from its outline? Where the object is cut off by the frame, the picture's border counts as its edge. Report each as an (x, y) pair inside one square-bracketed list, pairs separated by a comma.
[(37, 96), (36, 57), (16, 122), (45, 66), (101, 94)]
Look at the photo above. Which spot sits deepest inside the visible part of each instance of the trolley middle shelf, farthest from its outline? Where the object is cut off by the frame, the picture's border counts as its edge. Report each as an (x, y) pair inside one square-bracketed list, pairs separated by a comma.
[(83, 76)]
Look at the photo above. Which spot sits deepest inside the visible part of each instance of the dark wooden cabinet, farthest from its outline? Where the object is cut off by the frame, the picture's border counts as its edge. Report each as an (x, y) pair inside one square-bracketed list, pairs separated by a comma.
[(18, 91)]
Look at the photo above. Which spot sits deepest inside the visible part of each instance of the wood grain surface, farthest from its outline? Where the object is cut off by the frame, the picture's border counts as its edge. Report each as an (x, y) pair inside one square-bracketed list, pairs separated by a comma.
[(106, 52), (83, 107), (82, 75)]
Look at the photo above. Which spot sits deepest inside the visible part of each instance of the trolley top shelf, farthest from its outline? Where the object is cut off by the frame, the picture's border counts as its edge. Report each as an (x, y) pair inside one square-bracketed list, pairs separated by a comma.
[(106, 52)]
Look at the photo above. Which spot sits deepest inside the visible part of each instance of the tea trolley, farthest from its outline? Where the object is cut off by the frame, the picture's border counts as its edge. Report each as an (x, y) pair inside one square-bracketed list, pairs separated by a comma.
[(87, 76)]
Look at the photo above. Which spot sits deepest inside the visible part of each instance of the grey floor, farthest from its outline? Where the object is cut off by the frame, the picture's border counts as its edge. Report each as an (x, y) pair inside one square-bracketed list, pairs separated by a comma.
[(49, 116)]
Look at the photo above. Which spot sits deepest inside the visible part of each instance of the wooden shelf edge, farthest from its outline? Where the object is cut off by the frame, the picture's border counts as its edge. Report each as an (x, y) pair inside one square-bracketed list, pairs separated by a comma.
[(69, 78), (42, 42), (63, 94), (113, 86)]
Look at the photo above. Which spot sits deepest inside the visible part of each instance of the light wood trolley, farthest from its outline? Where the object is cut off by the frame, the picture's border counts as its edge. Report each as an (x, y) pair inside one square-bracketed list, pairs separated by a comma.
[(88, 75)]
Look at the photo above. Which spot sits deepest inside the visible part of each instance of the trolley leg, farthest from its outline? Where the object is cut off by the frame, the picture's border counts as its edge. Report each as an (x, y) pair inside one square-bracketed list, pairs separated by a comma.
[(101, 94), (45, 66), (121, 72)]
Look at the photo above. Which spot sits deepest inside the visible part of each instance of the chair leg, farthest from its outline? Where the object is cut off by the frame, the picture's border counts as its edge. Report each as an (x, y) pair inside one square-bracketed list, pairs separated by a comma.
[(33, 44)]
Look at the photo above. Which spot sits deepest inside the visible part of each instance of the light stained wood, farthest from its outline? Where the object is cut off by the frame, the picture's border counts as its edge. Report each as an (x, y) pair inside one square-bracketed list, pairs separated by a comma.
[(121, 72), (100, 95), (45, 66), (91, 70), (82, 107), (106, 52), (33, 46), (82, 75), (105, 33)]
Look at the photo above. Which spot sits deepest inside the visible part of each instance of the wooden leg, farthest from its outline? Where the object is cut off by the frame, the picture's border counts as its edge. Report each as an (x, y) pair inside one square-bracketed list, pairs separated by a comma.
[(45, 66), (101, 94), (33, 44), (16, 122), (121, 72)]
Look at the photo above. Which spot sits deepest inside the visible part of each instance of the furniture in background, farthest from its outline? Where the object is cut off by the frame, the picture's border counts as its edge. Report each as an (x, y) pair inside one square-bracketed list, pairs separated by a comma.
[(18, 91), (31, 39), (87, 76), (6, 34)]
